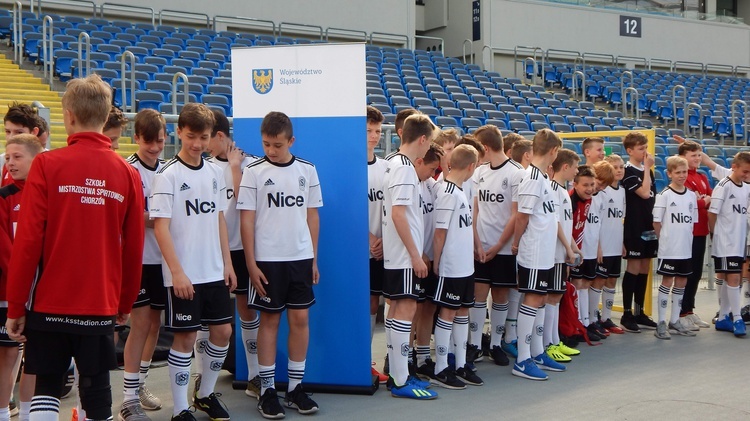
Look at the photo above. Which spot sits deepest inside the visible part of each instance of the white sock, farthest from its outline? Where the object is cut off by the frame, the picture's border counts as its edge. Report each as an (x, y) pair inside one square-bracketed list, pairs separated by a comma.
[(733, 294), (595, 295), (662, 301), (549, 322), (460, 334), (442, 342), (556, 323), (5, 414), (583, 306), (423, 353), (723, 299), (498, 317), (608, 299), (23, 410), (388, 346), (249, 334), (537, 345), (213, 360), (677, 294), (143, 372), (267, 375), (477, 315), (373, 318), (179, 373), (130, 386), (400, 333), (745, 291), (514, 301), (296, 371), (201, 339), (45, 408), (526, 317)]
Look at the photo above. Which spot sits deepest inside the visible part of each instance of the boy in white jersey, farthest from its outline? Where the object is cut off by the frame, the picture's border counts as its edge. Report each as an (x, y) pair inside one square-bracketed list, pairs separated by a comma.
[(232, 161), (494, 265), (565, 168), (727, 220), (375, 173), (279, 199), (675, 212), (611, 244), (453, 264), (447, 140), (187, 203), (145, 319), (403, 234), (534, 243)]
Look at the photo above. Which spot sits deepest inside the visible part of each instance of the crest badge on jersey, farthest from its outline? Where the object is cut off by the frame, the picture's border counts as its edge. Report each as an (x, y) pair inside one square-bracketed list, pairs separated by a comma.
[(302, 183), (215, 186), (262, 80), (505, 183)]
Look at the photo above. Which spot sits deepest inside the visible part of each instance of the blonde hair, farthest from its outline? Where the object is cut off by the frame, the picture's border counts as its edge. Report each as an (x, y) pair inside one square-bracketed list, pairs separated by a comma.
[(447, 136), (29, 141), (463, 156), (613, 159), (416, 126), (676, 161), (89, 99), (544, 141)]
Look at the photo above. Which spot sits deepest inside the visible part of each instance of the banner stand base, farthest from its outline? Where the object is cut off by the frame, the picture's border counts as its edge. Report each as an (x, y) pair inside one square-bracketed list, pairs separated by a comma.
[(322, 388)]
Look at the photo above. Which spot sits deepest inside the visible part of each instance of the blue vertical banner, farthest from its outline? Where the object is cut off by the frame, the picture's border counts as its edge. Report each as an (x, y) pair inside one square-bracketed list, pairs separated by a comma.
[(322, 88)]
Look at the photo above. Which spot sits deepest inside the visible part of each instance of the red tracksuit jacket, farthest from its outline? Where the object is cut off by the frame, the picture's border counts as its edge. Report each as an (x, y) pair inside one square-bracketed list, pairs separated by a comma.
[(10, 206), (79, 241), (698, 183)]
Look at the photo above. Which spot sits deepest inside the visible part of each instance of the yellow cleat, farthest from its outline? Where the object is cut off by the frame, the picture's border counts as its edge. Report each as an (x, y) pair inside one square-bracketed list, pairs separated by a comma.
[(567, 350), (554, 352)]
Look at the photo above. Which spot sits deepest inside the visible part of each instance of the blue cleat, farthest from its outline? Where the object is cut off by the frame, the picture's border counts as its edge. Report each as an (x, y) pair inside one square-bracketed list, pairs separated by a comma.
[(544, 362), (739, 328), (528, 370), (725, 325), (510, 348), (411, 390)]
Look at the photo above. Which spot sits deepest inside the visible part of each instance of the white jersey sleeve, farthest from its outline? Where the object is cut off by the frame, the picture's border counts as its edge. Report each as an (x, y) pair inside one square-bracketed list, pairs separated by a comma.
[(720, 172), (729, 204), (375, 178), (401, 189), (564, 210), (536, 249)]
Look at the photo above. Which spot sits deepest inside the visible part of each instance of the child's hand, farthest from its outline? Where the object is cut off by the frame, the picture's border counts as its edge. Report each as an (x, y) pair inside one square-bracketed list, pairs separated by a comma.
[(234, 155), (648, 161), (376, 248), (679, 139), (315, 273), (420, 268), (230, 279), (258, 279), (182, 286)]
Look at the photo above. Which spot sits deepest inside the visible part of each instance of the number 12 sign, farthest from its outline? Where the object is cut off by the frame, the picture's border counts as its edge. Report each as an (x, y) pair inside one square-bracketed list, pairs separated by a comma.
[(630, 26)]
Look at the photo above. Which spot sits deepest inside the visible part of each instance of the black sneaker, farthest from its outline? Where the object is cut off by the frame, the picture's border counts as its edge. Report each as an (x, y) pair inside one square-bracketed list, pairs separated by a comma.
[(447, 379), (297, 398), (426, 371), (185, 415), (745, 312), (627, 321), (386, 365), (473, 354), (486, 341), (593, 334), (498, 356), (212, 406), (269, 406), (600, 330), (569, 341), (645, 322), (468, 376)]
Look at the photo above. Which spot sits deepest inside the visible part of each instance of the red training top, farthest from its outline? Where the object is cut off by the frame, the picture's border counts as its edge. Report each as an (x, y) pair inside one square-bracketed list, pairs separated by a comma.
[(10, 206), (698, 183), (580, 213)]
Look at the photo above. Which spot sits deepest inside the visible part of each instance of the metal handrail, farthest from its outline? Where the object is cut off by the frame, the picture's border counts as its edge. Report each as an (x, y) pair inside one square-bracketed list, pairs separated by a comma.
[(622, 88), (471, 52), (686, 129), (131, 56), (689, 64), (633, 102), (736, 68), (185, 15), (674, 101), (516, 61), (407, 43), (632, 58), (302, 25), (575, 84), (341, 31), (247, 22), (718, 67), (18, 32), (47, 48), (533, 74), (733, 108), (660, 60), (68, 3), (442, 41), (185, 86), (600, 55), (128, 8), (84, 35), (562, 53), (492, 55)]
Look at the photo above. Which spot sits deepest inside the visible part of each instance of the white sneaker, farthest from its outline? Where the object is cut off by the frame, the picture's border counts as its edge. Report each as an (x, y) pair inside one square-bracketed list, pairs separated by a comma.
[(697, 321), (677, 327), (687, 322), (148, 400)]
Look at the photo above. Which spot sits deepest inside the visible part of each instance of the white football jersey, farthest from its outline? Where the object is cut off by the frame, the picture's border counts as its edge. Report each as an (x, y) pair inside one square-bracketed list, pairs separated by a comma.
[(729, 204), (677, 212), (280, 195), (191, 197), (515, 181), (719, 173), (593, 227), (427, 195), (401, 189), (535, 198), (232, 215), (494, 195), (564, 209), (151, 252), (611, 236), (375, 177), (453, 213)]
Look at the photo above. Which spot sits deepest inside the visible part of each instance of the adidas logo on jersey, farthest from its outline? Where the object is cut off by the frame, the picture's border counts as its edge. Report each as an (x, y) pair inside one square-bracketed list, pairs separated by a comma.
[(463, 206), (184, 187), (731, 196), (611, 200), (481, 180), (673, 204), (269, 182), (17, 207)]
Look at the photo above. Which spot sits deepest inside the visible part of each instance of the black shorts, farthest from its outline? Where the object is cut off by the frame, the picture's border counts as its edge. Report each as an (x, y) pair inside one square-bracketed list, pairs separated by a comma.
[(290, 285), (454, 293), (674, 267), (638, 248), (377, 274), (400, 284), (428, 285), (498, 272), (535, 281), (587, 270), (5, 340), (559, 276), (240, 270), (210, 305), (153, 292), (610, 267), (732, 264), (49, 352)]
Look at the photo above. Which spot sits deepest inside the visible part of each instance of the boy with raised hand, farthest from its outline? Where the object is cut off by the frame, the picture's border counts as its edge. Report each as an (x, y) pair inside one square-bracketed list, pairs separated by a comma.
[(611, 243), (403, 233), (639, 239), (727, 220), (145, 320), (187, 203), (375, 173), (454, 267), (534, 242), (279, 199), (675, 212), (232, 160), (564, 170), (494, 265), (447, 140), (71, 306)]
